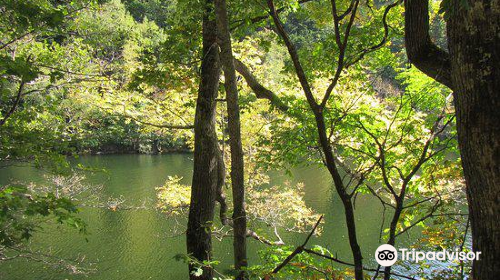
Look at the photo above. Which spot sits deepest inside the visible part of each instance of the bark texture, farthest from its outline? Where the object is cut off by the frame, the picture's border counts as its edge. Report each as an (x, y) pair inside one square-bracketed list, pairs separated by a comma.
[(421, 51), (206, 153), (474, 44), (234, 127), (474, 75)]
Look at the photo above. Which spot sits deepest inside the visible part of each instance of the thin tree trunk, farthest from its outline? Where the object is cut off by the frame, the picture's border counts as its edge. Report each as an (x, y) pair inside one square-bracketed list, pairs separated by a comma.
[(344, 196), (324, 142), (234, 127), (206, 153), (392, 231), (474, 45)]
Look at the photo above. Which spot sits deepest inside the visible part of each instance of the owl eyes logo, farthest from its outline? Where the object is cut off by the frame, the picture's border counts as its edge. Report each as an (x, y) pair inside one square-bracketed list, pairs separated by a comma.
[(386, 255)]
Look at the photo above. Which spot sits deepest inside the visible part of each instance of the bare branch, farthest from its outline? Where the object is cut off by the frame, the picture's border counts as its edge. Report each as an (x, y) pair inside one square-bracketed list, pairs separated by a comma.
[(293, 55), (384, 38), (423, 218), (299, 249), (341, 45), (169, 126), (15, 39), (257, 19), (16, 103), (350, 264)]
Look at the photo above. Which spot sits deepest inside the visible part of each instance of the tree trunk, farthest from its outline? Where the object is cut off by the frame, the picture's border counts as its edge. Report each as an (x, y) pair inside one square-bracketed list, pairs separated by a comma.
[(392, 231), (156, 146), (206, 153), (237, 168), (474, 75), (344, 196), (324, 142), (474, 44)]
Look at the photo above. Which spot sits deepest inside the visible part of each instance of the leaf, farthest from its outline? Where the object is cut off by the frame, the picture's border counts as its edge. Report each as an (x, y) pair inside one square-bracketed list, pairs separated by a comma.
[(198, 272)]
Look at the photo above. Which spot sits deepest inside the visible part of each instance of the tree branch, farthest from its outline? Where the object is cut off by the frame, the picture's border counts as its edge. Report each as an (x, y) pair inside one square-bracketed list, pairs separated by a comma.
[(292, 51), (170, 126), (259, 90), (350, 264), (384, 38), (299, 249), (16, 102), (421, 51), (257, 19)]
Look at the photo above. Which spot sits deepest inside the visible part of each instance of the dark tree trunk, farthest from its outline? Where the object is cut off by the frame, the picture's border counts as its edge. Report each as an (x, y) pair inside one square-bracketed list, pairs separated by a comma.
[(206, 152), (237, 168), (392, 231), (474, 75), (326, 147), (474, 43), (421, 51), (343, 194), (156, 146)]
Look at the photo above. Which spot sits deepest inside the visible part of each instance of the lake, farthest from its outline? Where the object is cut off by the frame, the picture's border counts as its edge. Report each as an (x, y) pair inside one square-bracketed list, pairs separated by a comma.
[(138, 244)]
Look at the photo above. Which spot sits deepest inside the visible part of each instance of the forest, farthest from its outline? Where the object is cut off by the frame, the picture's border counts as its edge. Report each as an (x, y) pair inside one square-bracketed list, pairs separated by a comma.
[(261, 139)]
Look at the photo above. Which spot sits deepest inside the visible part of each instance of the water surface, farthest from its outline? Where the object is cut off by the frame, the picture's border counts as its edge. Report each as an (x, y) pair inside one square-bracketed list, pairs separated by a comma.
[(138, 244)]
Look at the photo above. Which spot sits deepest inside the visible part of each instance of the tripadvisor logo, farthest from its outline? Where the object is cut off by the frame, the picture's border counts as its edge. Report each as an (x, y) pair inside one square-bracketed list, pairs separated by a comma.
[(387, 255)]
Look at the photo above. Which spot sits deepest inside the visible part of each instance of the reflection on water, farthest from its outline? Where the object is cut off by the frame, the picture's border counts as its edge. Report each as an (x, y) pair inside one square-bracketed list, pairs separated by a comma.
[(137, 244)]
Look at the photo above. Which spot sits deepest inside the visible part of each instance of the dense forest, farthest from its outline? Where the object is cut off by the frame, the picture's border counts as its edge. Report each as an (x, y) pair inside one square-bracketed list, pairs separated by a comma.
[(281, 139)]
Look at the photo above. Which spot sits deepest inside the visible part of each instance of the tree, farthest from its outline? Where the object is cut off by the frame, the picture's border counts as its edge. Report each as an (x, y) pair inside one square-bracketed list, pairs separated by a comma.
[(206, 155), (343, 24), (234, 127), (391, 159), (470, 69)]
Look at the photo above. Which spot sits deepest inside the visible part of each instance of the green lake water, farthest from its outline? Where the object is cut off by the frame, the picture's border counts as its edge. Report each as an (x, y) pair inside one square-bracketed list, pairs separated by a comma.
[(138, 244)]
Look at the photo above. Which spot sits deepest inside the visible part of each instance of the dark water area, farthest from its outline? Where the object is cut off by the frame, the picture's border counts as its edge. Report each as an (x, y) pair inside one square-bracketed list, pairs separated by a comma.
[(138, 244)]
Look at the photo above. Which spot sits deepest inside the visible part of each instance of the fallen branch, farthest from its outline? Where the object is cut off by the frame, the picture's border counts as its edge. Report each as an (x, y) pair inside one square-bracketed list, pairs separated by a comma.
[(299, 249)]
